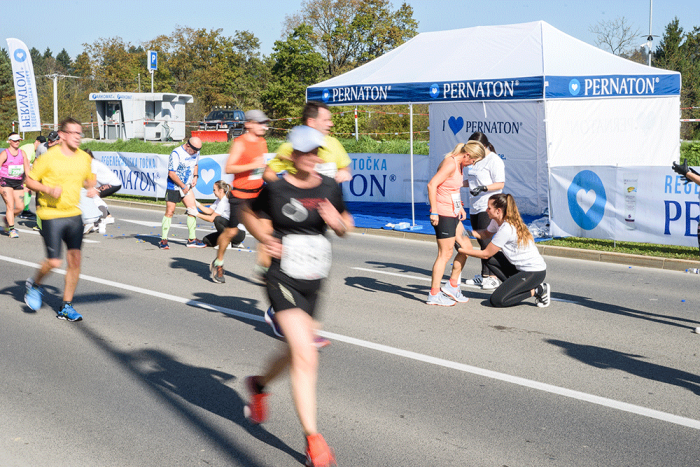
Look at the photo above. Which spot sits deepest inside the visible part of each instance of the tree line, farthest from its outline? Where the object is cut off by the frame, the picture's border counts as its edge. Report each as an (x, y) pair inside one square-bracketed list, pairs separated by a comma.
[(323, 39)]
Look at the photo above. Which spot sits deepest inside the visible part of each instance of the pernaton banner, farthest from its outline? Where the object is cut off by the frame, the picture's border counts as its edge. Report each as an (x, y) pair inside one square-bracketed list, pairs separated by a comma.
[(25, 86)]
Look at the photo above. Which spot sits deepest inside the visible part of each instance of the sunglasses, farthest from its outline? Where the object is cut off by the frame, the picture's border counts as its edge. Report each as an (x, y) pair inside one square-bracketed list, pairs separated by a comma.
[(193, 147)]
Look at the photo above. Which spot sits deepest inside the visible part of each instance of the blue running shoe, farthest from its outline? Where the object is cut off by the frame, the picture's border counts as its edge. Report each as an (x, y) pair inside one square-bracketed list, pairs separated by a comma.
[(69, 313), (33, 295), (272, 321), (195, 243)]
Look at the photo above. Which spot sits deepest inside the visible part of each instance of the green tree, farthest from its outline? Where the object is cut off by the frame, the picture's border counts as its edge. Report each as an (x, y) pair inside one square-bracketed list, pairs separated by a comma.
[(349, 33), (63, 61), (8, 108), (296, 66)]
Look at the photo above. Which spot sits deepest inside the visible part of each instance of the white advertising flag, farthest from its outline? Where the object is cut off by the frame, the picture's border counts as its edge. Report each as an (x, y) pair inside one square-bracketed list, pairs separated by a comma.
[(25, 86)]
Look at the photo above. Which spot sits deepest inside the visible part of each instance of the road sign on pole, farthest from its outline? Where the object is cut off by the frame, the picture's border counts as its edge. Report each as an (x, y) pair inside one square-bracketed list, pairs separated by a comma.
[(152, 60)]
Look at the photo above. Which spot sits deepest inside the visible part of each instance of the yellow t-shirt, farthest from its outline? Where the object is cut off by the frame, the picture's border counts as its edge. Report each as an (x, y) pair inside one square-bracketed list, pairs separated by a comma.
[(332, 151), (69, 172)]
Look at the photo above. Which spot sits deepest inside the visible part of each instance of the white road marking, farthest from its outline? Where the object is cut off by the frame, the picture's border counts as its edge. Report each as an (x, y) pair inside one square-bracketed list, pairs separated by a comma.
[(154, 225), (582, 396), (35, 232)]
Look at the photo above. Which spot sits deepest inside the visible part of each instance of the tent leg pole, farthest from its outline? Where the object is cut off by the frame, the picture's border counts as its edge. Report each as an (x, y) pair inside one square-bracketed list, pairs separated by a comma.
[(413, 206)]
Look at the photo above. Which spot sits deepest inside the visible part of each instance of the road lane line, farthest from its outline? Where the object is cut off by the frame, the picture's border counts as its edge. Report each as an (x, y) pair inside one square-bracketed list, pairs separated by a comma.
[(582, 396)]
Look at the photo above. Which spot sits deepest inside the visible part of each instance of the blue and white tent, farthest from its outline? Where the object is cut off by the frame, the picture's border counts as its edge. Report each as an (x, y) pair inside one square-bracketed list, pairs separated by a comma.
[(545, 100)]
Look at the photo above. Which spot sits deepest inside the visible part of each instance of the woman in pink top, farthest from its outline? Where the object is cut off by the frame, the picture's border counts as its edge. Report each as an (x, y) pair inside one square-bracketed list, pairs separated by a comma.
[(446, 214), (13, 166)]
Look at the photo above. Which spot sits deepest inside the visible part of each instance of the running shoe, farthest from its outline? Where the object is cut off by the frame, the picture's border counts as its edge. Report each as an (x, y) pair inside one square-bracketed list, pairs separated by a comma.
[(195, 243), (109, 219), (490, 283), (478, 279), (256, 410), (454, 293), (69, 313), (87, 228), (543, 299), (272, 321), (439, 299), (163, 245), (318, 454), (36, 227), (321, 342), (13, 233), (217, 273), (27, 215), (32, 296)]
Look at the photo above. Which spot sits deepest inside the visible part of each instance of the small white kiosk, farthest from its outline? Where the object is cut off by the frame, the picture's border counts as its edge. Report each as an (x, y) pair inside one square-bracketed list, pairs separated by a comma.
[(142, 115)]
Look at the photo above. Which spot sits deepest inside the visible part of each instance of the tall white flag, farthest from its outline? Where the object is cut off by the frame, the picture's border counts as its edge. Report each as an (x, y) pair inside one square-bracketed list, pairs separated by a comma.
[(25, 86)]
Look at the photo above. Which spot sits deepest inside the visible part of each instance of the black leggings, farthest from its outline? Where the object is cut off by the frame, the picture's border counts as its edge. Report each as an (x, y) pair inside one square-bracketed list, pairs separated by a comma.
[(480, 221), (110, 191), (220, 223), (516, 285)]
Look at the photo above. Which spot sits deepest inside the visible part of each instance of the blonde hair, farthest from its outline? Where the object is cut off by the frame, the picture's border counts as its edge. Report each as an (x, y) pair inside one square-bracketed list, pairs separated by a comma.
[(506, 203), (222, 185), (476, 150)]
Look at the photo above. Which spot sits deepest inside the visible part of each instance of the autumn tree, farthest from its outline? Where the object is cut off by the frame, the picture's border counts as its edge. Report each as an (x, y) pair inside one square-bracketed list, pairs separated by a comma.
[(348, 33), (296, 66)]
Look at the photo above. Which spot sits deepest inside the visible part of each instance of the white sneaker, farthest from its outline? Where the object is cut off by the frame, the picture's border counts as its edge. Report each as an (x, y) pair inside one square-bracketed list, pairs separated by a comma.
[(478, 279), (542, 300), (490, 283), (87, 228), (108, 220), (439, 299), (454, 293), (102, 227)]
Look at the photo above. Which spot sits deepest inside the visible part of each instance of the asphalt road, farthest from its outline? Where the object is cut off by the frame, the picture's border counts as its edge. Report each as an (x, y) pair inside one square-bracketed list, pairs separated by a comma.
[(608, 375)]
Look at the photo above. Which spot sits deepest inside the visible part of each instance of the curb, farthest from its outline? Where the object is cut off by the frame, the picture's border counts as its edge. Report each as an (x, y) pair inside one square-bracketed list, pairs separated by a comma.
[(545, 250)]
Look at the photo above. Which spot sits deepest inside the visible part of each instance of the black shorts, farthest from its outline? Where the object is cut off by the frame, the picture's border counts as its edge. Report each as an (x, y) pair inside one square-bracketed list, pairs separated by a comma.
[(236, 205), (68, 230), (285, 292), (173, 196), (446, 227), (14, 183)]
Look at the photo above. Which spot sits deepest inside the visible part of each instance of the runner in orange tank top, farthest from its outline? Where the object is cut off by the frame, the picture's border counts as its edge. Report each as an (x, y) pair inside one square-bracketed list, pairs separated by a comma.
[(446, 214)]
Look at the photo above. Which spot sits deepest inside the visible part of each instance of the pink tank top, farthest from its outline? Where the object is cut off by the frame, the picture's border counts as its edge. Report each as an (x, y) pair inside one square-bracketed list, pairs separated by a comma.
[(13, 167), (448, 199)]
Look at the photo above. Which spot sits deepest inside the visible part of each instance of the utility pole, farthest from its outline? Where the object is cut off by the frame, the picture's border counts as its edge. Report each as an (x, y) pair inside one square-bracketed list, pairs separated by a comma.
[(55, 77)]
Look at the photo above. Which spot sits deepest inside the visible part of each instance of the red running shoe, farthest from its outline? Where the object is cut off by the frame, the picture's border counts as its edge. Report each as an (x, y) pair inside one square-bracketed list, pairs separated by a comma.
[(256, 410), (318, 454)]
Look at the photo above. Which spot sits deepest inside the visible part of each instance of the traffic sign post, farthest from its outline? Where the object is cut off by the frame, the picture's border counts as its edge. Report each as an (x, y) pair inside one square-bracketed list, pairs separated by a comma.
[(152, 64)]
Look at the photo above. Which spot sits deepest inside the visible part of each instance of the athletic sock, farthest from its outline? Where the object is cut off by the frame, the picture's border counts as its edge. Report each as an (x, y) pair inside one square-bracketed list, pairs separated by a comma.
[(454, 283), (538, 290), (11, 227), (27, 199), (434, 291), (191, 226), (66, 303), (218, 262), (166, 226)]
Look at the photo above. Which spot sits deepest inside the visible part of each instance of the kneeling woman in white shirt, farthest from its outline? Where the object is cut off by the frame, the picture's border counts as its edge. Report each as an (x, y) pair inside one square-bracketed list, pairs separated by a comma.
[(218, 213), (512, 255)]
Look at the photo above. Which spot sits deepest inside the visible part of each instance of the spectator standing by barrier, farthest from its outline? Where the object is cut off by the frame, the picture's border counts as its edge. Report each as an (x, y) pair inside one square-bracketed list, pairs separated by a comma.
[(446, 216), (484, 178), (30, 150), (246, 161), (183, 173), (57, 177), (511, 255), (301, 206)]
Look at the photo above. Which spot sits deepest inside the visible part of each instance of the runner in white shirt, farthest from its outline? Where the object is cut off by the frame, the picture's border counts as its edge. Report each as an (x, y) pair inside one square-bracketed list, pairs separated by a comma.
[(512, 255)]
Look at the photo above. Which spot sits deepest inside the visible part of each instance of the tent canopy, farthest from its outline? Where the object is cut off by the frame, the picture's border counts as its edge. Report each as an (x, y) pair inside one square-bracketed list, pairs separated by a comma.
[(512, 62)]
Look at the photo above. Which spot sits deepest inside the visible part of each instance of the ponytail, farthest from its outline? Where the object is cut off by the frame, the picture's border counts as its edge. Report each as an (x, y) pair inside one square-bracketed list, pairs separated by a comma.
[(506, 203)]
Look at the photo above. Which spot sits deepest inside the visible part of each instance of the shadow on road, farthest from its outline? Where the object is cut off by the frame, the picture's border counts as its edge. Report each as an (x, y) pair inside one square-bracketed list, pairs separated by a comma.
[(600, 357), (180, 385)]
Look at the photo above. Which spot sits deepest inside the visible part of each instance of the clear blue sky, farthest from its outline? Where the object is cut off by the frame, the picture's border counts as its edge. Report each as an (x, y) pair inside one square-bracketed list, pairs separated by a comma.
[(71, 23)]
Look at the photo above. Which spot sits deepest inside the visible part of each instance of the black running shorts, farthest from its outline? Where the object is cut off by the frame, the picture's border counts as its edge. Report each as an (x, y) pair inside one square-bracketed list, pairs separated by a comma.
[(14, 183), (173, 196), (68, 230), (285, 292), (446, 227)]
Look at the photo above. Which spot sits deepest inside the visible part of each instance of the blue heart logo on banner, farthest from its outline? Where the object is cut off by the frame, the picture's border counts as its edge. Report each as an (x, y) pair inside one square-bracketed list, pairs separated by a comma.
[(456, 124), (586, 198), (209, 173)]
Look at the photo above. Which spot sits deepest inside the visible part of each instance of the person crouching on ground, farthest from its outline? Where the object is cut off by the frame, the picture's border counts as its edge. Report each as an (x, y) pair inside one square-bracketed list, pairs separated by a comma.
[(219, 213)]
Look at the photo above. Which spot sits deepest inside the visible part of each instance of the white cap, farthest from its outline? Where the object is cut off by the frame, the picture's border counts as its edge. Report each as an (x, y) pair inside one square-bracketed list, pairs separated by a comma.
[(15, 138), (305, 139)]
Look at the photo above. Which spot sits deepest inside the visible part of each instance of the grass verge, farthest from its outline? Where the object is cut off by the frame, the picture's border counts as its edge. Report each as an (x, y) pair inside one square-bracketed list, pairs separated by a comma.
[(645, 249)]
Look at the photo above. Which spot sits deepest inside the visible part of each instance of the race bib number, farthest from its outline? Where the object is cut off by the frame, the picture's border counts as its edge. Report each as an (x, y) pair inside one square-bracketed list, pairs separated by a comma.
[(329, 169), (15, 171), (306, 257), (256, 174), (456, 203)]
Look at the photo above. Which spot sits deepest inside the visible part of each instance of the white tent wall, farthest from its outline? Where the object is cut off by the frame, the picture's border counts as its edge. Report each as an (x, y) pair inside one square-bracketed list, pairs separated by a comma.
[(516, 130)]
